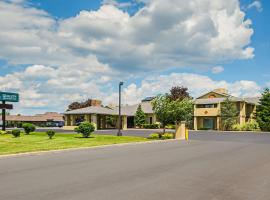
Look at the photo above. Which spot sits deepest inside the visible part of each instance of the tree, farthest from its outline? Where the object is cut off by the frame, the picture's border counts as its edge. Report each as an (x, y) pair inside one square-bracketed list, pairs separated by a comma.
[(78, 105), (182, 110), (179, 93), (28, 128), (140, 117), (162, 109), (85, 128), (263, 111), (229, 114)]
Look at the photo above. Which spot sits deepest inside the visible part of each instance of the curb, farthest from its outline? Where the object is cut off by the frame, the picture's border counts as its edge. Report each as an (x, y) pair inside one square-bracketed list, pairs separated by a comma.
[(36, 153)]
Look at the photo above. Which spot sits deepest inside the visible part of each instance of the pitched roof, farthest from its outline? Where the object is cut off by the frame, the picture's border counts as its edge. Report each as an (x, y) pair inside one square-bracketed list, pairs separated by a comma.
[(131, 110), (216, 92), (93, 110), (36, 118), (128, 110), (231, 98)]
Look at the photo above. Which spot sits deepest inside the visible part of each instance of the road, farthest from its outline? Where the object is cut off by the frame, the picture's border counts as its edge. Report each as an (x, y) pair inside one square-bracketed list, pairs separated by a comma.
[(203, 169)]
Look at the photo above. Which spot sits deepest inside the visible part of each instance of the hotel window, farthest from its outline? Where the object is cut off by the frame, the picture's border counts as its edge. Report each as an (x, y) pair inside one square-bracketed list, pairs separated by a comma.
[(207, 106)]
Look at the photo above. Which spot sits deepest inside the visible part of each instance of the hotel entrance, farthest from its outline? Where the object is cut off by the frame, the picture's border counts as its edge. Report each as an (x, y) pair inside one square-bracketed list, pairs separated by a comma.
[(131, 122), (209, 123)]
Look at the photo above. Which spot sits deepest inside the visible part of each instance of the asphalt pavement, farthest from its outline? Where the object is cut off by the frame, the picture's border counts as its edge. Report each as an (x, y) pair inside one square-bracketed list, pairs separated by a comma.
[(208, 167)]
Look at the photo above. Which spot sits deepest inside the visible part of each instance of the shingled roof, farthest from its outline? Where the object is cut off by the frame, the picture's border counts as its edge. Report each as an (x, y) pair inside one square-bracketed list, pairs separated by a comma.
[(128, 110), (50, 116)]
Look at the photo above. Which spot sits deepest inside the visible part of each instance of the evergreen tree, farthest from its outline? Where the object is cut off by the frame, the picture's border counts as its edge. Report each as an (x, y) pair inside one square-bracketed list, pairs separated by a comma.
[(229, 114), (263, 111), (140, 117)]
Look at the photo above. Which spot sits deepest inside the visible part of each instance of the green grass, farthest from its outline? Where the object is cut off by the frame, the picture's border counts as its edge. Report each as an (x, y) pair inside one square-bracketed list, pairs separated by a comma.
[(40, 142)]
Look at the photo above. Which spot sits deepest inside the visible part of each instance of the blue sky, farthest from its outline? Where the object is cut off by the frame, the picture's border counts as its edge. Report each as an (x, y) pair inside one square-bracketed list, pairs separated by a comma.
[(256, 69), (58, 51)]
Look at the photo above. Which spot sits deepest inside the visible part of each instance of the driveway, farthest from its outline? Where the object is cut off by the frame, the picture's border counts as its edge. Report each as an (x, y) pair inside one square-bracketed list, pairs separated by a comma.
[(247, 137), (219, 167)]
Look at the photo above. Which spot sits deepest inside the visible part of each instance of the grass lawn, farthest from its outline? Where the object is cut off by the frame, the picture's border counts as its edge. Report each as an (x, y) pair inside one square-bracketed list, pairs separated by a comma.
[(40, 142)]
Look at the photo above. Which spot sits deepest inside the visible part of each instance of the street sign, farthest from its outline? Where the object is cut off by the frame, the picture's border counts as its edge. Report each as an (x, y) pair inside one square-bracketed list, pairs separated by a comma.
[(6, 106), (9, 97)]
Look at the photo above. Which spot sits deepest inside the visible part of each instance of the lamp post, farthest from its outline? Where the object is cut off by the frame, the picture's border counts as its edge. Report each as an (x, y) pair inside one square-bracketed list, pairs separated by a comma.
[(119, 115)]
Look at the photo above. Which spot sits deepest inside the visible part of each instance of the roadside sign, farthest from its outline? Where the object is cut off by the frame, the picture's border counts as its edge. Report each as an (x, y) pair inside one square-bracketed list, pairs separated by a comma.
[(9, 97), (6, 106)]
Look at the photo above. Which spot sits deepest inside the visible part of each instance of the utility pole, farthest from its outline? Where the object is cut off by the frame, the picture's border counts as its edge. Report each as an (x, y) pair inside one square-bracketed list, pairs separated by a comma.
[(119, 114)]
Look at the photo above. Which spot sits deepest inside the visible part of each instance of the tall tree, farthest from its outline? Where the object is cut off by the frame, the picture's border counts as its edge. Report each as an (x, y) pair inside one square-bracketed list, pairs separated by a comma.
[(263, 111), (140, 117), (162, 109), (182, 110), (179, 93), (229, 114), (78, 105)]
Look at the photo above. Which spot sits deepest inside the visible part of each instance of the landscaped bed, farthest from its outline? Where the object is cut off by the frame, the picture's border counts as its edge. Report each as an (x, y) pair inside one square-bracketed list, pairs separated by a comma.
[(41, 142)]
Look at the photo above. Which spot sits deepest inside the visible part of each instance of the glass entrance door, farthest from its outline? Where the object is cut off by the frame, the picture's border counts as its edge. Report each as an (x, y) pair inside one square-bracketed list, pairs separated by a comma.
[(209, 123)]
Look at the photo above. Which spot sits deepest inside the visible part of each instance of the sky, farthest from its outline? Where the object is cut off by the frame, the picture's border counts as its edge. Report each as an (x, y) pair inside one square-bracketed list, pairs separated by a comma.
[(54, 52)]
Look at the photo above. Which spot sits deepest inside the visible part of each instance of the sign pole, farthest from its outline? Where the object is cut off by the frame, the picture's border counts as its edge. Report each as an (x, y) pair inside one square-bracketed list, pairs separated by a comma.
[(7, 97), (3, 117)]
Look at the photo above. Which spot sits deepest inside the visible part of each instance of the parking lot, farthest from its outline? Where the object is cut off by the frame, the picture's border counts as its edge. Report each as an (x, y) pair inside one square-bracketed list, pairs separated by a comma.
[(247, 137), (212, 165)]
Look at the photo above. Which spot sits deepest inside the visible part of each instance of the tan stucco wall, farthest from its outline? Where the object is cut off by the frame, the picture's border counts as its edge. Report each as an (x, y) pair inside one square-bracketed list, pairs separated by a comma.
[(207, 112), (154, 119)]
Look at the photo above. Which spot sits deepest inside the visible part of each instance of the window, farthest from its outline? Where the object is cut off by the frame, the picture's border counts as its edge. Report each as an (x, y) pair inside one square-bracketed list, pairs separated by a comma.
[(207, 106)]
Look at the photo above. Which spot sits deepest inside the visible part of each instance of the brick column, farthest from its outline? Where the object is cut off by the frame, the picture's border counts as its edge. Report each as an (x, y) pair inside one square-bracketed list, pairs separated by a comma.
[(195, 124), (180, 132), (94, 120), (87, 118), (124, 122)]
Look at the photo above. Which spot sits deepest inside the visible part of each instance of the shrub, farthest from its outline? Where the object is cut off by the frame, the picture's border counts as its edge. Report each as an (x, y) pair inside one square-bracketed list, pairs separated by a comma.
[(154, 136), (2, 132), (249, 126), (85, 128), (170, 126), (204, 129), (167, 136), (237, 127), (50, 134), (28, 128), (16, 133), (8, 132), (151, 126)]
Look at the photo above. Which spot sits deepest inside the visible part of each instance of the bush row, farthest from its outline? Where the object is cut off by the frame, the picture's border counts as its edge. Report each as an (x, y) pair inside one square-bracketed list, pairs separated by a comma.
[(166, 136), (170, 126), (151, 126), (249, 126)]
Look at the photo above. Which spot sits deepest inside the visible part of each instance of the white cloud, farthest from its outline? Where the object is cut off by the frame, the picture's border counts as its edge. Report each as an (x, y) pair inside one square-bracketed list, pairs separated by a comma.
[(217, 69), (81, 57), (197, 84), (255, 4), (47, 88), (193, 33)]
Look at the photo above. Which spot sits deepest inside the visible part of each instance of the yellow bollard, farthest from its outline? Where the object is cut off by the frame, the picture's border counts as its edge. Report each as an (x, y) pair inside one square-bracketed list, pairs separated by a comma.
[(186, 135)]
